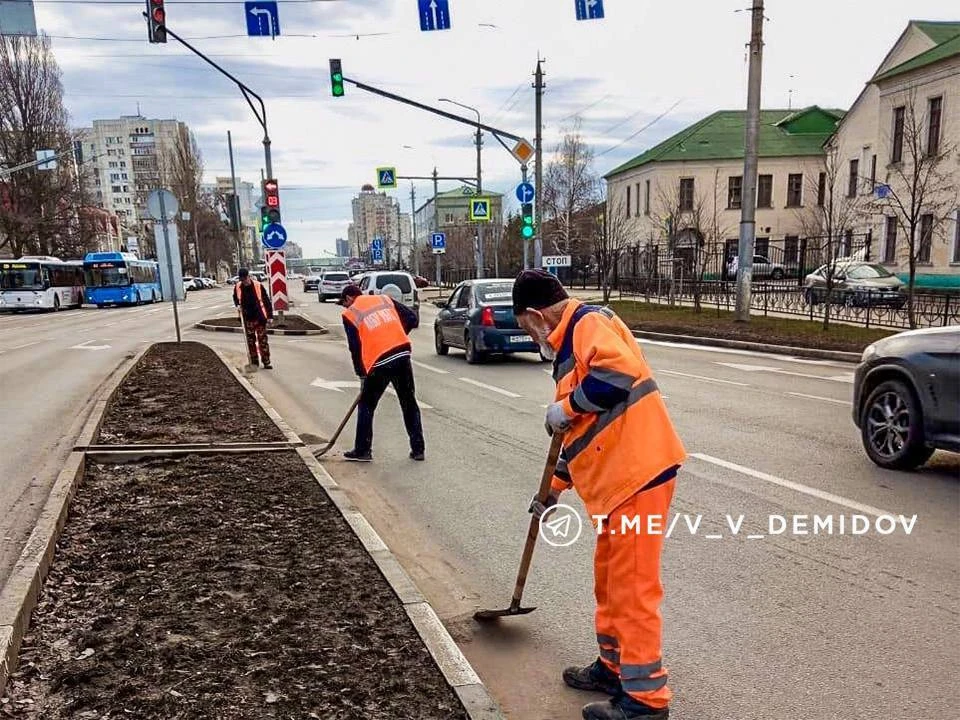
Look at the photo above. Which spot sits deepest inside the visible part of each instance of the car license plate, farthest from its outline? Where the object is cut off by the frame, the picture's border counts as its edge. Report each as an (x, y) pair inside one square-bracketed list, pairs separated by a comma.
[(520, 339)]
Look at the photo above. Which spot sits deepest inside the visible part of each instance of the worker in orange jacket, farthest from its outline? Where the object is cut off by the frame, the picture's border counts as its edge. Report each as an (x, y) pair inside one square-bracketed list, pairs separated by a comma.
[(621, 454)]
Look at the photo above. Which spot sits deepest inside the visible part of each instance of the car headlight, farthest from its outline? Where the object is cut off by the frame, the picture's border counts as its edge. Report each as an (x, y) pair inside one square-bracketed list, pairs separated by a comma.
[(869, 352)]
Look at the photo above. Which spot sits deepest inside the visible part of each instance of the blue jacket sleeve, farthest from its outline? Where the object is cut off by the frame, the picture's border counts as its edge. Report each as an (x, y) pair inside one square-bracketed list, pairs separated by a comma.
[(407, 317), (353, 342)]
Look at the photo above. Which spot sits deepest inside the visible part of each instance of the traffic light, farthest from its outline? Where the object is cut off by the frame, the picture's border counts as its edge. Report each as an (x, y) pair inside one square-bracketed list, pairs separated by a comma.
[(336, 78), (156, 21), (526, 220), (270, 212)]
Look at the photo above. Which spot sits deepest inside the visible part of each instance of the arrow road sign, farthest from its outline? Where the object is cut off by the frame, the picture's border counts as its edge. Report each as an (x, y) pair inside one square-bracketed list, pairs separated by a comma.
[(480, 209), (589, 9), (274, 236), (438, 241), (263, 18), (525, 192), (276, 263), (434, 15), (387, 177)]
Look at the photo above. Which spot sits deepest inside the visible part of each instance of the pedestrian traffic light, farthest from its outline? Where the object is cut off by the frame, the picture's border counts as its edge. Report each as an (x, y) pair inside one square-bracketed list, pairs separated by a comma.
[(336, 78), (270, 212), (156, 21), (526, 220)]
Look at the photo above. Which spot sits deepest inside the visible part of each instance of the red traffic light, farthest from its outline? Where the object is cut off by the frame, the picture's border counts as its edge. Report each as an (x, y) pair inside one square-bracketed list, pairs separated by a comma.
[(270, 186), (273, 201), (159, 15)]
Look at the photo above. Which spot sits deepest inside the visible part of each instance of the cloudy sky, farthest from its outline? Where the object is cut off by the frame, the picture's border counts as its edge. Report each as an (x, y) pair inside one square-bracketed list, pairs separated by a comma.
[(681, 60)]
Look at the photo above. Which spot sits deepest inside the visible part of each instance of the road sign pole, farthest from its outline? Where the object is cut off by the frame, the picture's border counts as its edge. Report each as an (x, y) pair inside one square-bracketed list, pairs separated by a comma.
[(523, 240), (480, 264), (538, 182), (236, 202), (413, 230), (166, 244)]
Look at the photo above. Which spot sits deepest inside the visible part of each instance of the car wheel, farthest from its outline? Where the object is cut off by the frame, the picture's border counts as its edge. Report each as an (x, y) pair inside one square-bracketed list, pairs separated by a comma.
[(473, 355), (56, 304), (777, 274), (891, 427), (139, 301), (441, 347), (323, 298)]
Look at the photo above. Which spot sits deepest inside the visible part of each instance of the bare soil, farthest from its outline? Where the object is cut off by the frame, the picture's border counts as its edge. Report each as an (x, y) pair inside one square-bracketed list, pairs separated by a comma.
[(182, 393), (290, 323), (218, 587)]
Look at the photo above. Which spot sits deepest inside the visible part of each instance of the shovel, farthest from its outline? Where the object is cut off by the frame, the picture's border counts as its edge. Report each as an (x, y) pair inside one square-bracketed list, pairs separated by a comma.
[(532, 532), (324, 450)]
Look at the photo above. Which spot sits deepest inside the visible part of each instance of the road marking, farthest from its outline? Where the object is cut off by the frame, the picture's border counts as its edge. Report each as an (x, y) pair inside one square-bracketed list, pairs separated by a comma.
[(737, 351), (846, 378), (431, 368), (704, 378), (151, 312), (20, 347), (110, 324), (549, 372), (789, 484), (817, 397), (87, 346), (423, 405), (491, 388)]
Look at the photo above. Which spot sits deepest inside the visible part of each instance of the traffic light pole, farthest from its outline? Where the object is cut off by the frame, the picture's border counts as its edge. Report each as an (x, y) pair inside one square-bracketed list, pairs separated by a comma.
[(523, 240)]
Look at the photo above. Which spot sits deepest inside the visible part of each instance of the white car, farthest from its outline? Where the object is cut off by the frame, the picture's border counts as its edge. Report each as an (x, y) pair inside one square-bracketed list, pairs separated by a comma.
[(331, 283), (395, 283)]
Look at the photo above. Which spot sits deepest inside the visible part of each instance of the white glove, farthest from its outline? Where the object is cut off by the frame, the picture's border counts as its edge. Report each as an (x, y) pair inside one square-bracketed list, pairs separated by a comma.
[(557, 419)]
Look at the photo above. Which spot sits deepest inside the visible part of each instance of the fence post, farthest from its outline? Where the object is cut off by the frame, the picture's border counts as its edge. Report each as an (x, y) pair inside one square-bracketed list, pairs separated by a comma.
[(866, 255), (802, 266), (946, 309), (869, 299)]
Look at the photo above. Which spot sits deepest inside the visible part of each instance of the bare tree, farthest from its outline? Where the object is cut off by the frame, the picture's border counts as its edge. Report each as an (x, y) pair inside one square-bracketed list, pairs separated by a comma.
[(610, 240), (569, 187), (918, 190), (182, 173), (832, 216), (680, 221)]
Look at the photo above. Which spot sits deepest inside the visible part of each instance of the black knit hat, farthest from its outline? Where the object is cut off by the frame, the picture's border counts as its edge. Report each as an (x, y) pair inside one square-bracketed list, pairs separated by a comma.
[(351, 290), (536, 289)]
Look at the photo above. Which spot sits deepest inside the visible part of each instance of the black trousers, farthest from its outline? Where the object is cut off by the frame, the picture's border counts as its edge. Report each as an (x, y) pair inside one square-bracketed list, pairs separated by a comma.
[(398, 373)]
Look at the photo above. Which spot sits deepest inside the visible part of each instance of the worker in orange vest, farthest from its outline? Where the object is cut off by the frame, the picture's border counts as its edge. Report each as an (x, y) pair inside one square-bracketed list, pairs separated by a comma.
[(377, 328), (251, 302), (621, 454)]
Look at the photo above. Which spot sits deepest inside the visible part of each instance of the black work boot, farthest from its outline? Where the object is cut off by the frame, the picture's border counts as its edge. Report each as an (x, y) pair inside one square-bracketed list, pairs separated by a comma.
[(596, 677), (623, 707), (358, 456)]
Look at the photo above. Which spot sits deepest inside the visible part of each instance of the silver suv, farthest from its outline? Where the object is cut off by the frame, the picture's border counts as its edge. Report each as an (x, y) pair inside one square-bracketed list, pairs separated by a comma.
[(395, 283)]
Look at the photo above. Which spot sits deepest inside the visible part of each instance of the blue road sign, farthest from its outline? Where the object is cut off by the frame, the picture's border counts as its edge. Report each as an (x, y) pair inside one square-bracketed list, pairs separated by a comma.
[(376, 255), (387, 177), (434, 14), (525, 192), (274, 236), (480, 210), (881, 191), (263, 18), (589, 9), (377, 243), (438, 241)]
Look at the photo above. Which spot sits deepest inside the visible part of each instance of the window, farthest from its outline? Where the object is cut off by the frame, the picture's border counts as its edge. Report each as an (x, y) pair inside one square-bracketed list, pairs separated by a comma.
[(794, 190), (846, 244), (112, 164), (873, 173), (686, 195), (115, 188), (956, 239), (114, 176), (761, 247), (495, 293), (934, 114), (123, 176), (120, 152), (926, 238), (791, 249), (821, 189), (765, 191), (896, 154), (452, 302), (890, 239), (111, 152), (852, 182), (126, 188), (732, 249), (734, 192), (646, 198), (637, 211), (628, 201), (402, 281), (123, 163), (464, 300)]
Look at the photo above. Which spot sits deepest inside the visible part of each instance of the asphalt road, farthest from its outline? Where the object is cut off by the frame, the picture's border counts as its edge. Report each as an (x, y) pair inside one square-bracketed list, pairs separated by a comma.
[(757, 625)]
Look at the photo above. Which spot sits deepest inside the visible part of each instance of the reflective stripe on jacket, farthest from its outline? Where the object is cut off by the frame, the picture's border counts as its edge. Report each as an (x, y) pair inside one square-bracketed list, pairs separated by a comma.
[(378, 326), (257, 293), (621, 438)]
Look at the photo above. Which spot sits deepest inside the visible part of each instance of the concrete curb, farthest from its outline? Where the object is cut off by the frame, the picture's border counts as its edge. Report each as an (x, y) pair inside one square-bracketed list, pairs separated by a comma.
[(813, 353), (270, 331), (456, 669), (22, 589)]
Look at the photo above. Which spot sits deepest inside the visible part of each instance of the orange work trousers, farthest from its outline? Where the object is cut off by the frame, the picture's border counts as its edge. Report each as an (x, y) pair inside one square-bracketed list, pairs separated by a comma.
[(628, 591)]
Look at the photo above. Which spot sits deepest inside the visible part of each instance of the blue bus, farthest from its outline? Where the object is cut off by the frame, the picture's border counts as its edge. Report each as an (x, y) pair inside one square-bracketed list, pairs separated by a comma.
[(115, 278)]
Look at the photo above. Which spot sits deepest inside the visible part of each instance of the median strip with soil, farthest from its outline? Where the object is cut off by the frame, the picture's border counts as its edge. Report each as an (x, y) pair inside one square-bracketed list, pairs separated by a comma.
[(216, 586)]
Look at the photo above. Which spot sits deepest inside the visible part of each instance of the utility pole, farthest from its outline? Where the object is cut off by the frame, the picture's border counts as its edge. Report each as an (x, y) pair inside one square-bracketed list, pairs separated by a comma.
[(523, 240), (480, 264), (436, 219), (538, 177), (235, 210), (399, 238), (413, 229), (749, 196)]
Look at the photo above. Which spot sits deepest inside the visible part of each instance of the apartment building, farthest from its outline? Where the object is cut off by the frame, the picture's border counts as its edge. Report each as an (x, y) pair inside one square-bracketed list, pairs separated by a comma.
[(376, 214)]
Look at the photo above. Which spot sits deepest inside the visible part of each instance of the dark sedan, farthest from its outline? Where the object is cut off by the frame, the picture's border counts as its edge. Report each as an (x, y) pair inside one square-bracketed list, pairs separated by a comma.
[(905, 397), (478, 317)]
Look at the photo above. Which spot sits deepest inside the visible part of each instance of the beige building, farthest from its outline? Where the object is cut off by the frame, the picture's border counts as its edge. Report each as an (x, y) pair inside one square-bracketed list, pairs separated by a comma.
[(686, 192), (909, 111)]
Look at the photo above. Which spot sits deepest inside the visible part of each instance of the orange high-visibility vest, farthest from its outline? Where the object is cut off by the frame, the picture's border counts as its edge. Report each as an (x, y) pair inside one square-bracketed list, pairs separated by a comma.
[(257, 291), (609, 454), (378, 326)]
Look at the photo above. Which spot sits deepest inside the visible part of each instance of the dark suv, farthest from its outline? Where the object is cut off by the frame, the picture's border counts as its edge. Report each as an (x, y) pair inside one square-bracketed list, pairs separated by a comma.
[(905, 397)]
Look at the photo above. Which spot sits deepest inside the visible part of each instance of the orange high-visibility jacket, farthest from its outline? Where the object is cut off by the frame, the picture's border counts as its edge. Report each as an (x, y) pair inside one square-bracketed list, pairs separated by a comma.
[(378, 326), (621, 438), (257, 291)]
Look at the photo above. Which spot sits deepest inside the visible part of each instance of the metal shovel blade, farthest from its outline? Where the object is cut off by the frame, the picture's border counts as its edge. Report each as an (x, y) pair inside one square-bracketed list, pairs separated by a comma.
[(491, 615)]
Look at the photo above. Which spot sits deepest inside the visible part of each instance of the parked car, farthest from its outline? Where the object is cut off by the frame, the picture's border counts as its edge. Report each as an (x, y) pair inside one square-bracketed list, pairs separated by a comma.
[(478, 317), (421, 281), (905, 398), (311, 282), (191, 283), (856, 283), (763, 268), (233, 280), (397, 284), (331, 283)]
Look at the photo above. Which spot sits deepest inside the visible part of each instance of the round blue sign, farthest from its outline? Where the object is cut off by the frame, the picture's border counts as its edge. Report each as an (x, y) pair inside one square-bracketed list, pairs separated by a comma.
[(274, 236), (525, 192)]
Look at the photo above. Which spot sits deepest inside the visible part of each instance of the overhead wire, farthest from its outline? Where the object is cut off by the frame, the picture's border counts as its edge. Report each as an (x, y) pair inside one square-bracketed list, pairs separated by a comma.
[(645, 127)]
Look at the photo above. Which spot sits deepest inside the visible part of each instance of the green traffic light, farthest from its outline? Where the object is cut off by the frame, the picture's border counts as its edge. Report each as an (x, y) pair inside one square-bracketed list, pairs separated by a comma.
[(527, 231)]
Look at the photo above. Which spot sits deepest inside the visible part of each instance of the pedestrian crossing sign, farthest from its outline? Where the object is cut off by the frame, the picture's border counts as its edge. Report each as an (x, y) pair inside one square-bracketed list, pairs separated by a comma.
[(480, 209), (386, 177)]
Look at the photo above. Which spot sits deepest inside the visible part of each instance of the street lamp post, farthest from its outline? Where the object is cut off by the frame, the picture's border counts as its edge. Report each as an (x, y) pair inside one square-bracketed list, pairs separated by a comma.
[(479, 142)]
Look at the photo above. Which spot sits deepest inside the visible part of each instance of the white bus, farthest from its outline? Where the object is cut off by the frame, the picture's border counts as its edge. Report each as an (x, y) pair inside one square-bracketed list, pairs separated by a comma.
[(36, 282)]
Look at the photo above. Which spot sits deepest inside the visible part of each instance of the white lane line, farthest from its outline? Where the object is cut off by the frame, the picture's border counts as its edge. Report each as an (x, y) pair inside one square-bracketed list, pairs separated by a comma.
[(549, 372), (817, 397), (110, 324), (846, 378), (702, 377), (151, 312), (737, 351), (491, 388), (790, 485), (431, 368), (20, 347), (423, 405)]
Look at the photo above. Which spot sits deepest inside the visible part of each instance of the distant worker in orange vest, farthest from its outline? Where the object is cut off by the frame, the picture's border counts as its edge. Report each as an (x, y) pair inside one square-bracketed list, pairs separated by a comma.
[(252, 303), (377, 328), (621, 454)]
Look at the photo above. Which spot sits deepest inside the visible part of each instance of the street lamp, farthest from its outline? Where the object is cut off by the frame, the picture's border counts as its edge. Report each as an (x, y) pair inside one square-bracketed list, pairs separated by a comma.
[(479, 141)]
